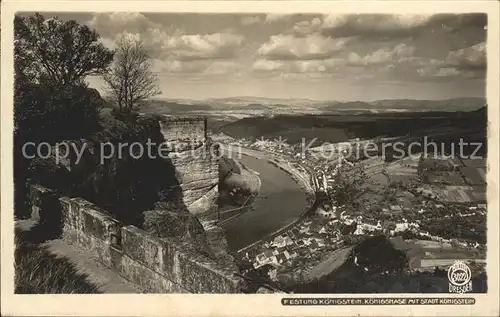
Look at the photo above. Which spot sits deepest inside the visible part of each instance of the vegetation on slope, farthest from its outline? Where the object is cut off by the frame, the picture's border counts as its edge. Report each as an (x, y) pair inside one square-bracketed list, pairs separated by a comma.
[(54, 104), (51, 99), (376, 266), (39, 272), (339, 128), (236, 183)]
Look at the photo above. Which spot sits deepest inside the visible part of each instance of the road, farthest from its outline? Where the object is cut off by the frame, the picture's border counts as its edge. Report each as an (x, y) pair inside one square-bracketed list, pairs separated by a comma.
[(280, 201)]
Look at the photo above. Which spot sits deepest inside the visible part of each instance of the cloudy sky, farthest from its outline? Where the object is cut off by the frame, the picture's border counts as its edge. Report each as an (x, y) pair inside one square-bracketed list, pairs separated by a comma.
[(336, 57)]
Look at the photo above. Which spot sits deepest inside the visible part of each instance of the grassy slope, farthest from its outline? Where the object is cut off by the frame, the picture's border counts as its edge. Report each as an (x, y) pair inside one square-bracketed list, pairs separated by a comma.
[(37, 271)]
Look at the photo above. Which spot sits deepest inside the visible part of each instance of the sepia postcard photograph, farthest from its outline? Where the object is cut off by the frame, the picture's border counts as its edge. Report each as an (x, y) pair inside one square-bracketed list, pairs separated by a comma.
[(260, 158)]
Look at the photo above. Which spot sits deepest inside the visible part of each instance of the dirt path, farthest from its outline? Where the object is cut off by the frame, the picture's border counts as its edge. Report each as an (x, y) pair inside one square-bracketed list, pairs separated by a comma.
[(106, 280), (83, 262)]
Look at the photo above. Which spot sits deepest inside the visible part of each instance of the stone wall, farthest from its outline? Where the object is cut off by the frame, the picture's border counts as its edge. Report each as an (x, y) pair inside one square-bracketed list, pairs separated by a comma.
[(176, 128), (185, 255), (159, 265)]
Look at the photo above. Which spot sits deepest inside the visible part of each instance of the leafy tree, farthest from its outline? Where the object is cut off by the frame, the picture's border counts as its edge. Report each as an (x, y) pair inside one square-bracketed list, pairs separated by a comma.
[(51, 100), (130, 80), (57, 52), (348, 185), (52, 59), (379, 255)]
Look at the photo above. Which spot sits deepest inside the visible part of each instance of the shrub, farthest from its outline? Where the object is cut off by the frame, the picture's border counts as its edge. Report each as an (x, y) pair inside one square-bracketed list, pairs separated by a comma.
[(44, 113)]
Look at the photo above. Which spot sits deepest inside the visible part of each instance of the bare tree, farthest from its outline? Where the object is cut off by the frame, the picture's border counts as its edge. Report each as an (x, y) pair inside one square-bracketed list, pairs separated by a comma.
[(130, 80)]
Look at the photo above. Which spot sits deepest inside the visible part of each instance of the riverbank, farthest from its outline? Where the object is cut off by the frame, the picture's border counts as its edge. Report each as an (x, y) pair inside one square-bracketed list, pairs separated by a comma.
[(281, 201), (252, 184), (309, 209), (251, 177)]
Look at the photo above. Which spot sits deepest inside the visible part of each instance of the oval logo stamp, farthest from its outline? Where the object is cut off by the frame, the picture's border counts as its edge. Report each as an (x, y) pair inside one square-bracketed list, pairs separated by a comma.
[(459, 276)]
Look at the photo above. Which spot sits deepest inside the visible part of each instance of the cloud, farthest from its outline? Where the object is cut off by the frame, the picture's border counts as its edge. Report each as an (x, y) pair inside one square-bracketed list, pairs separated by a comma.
[(381, 26), (382, 56), (346, 47), (394, 63), (199, 47), (203, 67), (268, 65), (306, 27), (433, 72), (365, 24), (176, 66), (250, 20), (288, 47), (108, 43), (470, 58), (387, 26), (469, 62), (109, 24), (447, 72), (276, 17), (457, 22), (165, 42), (224, 68), (312, 66)]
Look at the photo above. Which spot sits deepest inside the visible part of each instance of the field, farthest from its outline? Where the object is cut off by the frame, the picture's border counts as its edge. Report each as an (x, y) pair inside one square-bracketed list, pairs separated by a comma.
[(477, 163), (457, 194), (446, 178), (439, 256), (402, 171), (399, 168), (473, 175)]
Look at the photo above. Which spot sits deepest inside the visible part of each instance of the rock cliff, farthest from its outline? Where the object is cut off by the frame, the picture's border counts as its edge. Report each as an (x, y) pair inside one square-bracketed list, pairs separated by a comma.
[(195, 159)]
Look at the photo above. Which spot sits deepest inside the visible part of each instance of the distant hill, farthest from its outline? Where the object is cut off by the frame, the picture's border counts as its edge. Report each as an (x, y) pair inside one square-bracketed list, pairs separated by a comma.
[(291, 128), (340, 127), (175, 106), (455, 104), (255, 106), (241, 101), (348, 105), (171, 107)]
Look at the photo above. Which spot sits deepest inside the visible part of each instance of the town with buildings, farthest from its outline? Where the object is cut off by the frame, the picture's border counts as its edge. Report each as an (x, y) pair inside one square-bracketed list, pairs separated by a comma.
[(437, 200)]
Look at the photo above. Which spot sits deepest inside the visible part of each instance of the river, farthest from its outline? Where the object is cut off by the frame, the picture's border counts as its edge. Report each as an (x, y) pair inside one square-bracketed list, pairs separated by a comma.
[(280, 201)]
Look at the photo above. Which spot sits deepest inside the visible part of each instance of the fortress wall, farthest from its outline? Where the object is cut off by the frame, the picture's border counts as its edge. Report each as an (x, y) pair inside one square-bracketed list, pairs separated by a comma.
[(159, 265), (192, 155), (177, 128)]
